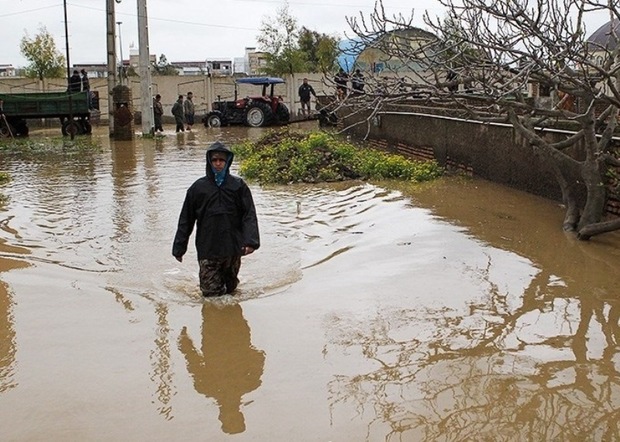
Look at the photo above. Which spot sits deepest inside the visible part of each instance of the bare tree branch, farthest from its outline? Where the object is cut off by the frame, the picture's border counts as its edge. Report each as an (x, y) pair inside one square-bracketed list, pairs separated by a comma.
[(486, 60)]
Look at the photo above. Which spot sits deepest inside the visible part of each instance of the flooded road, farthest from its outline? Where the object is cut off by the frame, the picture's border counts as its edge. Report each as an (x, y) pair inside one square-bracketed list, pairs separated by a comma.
[(452, 311)]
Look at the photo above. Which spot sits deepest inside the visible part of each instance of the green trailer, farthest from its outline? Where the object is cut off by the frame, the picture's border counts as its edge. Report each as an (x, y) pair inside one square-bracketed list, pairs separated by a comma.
[(73, 110)]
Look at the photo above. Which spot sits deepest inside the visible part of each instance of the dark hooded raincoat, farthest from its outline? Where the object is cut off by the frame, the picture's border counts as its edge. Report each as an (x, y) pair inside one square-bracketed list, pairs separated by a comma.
[(224, 215)]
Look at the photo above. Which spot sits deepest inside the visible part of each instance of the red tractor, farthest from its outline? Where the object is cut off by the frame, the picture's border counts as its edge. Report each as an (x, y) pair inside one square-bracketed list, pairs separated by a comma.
[(256, 111)]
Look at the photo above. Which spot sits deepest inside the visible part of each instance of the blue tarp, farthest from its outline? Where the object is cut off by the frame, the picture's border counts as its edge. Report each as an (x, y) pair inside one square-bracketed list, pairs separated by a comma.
[(349, 50)]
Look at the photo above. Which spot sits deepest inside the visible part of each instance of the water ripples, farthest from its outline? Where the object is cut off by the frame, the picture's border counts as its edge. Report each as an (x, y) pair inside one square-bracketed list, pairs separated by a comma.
[(115, 213)]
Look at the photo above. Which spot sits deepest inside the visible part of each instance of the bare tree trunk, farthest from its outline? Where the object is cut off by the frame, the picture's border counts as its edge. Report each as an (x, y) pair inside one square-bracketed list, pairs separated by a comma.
[(592, 174), (596, 194), (569, 198)]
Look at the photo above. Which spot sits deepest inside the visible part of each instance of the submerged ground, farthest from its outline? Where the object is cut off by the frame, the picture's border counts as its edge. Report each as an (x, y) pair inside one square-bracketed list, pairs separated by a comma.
[(456, 310)]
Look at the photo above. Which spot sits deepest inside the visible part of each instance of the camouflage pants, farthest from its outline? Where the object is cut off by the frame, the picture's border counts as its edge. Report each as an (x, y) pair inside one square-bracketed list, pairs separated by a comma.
[(219, 275)]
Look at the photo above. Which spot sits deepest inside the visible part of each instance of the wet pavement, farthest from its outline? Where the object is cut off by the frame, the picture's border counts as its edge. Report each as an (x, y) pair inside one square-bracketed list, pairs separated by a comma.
[(451, 311)]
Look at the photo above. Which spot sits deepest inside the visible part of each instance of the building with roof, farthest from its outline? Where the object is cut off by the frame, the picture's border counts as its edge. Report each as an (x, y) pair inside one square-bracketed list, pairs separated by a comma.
[(257, 62), (603, 40), (7, 70)]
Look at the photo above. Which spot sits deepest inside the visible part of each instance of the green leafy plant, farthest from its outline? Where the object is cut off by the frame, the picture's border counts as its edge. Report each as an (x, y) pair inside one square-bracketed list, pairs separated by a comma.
[(283, 157)]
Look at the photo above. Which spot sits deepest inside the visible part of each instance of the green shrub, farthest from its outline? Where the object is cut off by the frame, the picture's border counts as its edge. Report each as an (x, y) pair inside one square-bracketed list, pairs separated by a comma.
[(284, 157)]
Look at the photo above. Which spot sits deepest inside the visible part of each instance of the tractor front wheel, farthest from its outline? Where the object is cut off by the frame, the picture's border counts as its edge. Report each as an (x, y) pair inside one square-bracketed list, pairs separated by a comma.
[(258, 115), (214, 119)]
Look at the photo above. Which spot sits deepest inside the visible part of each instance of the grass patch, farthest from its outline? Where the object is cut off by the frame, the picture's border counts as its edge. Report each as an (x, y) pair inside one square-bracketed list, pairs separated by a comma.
[(30, 147), (4, 178), (283, 157)]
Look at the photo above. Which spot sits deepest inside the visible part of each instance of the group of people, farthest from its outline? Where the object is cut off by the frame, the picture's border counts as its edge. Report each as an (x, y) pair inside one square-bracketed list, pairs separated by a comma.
[(81, 83), (183, 111), (341, 79)]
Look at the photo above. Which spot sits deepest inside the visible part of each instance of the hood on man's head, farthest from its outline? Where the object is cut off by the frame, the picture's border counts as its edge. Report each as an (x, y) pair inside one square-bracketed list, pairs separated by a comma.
[(219, 147)]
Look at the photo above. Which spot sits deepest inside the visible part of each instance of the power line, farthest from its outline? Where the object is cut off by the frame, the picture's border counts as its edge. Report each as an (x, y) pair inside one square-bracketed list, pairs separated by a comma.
[(330, 5), (183, 22), (27, 11)]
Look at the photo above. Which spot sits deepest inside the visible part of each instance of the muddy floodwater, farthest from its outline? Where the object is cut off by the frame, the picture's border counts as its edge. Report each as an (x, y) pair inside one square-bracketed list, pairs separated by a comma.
[(451, 311)]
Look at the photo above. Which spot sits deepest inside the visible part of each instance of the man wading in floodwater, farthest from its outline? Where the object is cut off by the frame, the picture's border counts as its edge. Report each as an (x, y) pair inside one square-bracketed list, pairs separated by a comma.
[(221, 206)]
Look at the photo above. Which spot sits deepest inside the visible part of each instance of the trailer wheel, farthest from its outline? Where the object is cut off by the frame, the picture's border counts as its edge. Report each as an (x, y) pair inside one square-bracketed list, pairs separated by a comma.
[(6, 129), (72, 128)]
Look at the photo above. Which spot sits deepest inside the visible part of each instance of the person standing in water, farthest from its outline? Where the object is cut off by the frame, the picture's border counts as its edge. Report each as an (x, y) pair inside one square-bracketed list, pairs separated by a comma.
[(221, 206)]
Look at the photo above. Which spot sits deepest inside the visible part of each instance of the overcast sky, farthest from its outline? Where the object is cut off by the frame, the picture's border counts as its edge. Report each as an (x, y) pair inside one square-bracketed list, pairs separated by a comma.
[(183, 30)]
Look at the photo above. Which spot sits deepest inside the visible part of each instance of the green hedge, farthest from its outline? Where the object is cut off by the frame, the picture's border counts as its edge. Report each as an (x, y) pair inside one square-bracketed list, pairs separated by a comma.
[(283, 157)]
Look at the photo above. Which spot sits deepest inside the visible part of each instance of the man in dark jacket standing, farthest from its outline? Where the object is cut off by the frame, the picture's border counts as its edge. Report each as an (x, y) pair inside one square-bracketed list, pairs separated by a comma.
[(221, 206), (86, 86), (304, 96), (75, 82), (179, 114)]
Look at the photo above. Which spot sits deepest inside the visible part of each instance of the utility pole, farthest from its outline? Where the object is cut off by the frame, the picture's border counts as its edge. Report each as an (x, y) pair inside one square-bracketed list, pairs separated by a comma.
[(111, 47), (70, 125), (145, 70), (121, 70)]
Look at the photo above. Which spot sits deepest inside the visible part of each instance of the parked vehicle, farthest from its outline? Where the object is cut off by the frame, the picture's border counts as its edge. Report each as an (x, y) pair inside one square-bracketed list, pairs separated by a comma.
[(255, 111), (73, 110)]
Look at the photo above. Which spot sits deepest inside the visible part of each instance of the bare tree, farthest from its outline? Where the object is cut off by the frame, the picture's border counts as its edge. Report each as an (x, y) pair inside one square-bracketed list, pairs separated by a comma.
[(485, 57)]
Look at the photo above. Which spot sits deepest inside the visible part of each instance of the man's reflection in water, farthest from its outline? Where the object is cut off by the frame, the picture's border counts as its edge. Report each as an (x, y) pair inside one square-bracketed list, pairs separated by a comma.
[(228, 366), (8, 341)]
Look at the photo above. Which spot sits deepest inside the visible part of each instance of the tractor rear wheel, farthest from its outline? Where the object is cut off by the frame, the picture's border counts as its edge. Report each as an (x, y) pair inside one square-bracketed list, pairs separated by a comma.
[(258, 114)]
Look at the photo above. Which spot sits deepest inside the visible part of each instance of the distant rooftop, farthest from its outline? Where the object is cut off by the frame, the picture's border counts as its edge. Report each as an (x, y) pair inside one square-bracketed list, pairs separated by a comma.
[(606, 35)]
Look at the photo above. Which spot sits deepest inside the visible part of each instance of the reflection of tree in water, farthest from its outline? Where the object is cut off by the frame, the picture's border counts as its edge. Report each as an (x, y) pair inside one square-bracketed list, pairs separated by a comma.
[(546, 369), (228, 366)]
